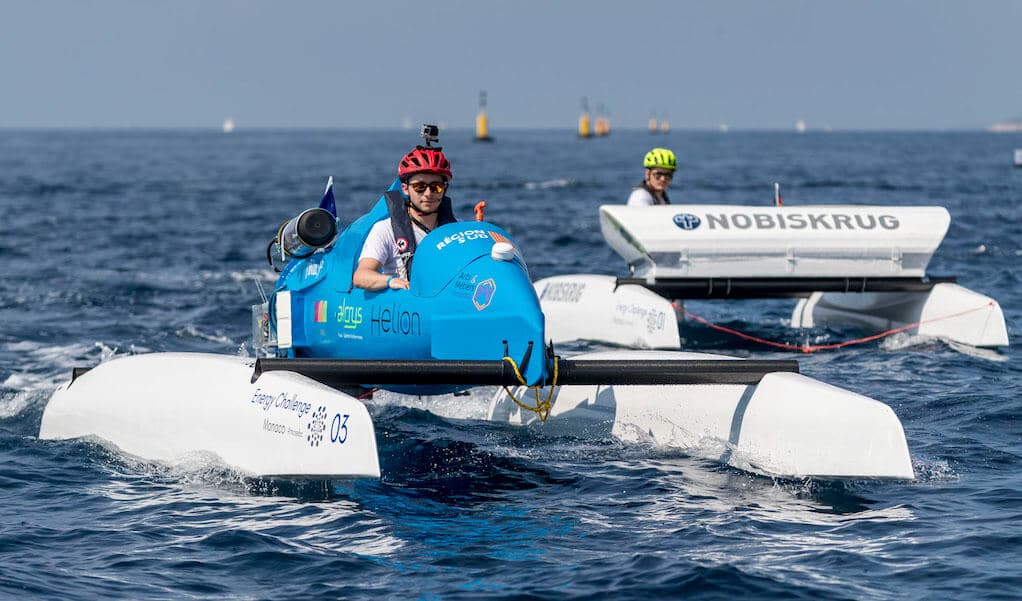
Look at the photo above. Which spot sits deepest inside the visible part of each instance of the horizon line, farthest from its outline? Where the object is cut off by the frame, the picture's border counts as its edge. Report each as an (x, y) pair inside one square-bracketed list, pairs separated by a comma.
[(398, 128)]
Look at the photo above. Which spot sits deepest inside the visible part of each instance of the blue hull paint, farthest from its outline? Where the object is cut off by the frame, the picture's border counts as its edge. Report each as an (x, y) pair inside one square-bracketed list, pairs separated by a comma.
[(462, 303)]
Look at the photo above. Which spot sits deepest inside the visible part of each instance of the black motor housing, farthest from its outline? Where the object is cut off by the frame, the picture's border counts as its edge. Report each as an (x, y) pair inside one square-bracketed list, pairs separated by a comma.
[(312, 229)]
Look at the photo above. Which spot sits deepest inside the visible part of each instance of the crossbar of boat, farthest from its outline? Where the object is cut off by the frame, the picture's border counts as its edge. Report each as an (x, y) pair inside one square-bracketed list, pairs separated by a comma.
[(338, 373), (702, 288)]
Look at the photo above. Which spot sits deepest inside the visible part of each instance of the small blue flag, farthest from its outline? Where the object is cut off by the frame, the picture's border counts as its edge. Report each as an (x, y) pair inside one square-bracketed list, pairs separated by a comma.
[(328, 198)]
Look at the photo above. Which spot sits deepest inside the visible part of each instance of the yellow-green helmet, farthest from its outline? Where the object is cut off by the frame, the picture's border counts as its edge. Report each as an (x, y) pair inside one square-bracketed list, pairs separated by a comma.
[(660, 158)]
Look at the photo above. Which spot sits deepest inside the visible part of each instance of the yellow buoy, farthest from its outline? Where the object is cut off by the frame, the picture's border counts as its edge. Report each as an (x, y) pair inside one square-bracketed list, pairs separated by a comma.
[(482, 121), (584, 126), (602, 124), (481, 127)]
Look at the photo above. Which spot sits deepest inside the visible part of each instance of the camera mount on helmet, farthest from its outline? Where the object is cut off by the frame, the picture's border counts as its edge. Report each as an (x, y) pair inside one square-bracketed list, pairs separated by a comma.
[(430, 133)]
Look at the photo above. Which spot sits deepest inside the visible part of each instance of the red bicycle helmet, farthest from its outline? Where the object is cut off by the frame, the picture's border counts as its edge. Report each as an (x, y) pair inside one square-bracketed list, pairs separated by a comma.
[(424, 160)]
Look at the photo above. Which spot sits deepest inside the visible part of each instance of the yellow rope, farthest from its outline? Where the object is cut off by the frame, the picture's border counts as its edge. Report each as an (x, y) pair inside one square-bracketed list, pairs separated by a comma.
[(542, 408)]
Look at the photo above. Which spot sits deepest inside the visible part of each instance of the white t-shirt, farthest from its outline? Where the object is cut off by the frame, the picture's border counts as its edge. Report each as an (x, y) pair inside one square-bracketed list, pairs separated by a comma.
[(380, 245), (640, 197)]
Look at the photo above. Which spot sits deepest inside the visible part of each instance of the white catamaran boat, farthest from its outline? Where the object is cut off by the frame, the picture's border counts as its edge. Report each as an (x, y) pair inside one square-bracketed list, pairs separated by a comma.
[(472, 317), (302, 415), (847, 265)]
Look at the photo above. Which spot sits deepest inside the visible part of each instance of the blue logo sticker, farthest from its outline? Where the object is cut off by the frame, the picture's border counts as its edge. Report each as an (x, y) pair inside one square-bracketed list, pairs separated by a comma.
[(483, 295), (687, 221)]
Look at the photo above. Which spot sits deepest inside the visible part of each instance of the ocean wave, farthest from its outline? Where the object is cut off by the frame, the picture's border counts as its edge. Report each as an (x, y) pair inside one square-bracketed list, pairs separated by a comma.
[(192, 331), (550, 184)]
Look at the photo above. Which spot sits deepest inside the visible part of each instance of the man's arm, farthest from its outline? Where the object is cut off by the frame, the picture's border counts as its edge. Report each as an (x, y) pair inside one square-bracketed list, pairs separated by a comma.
[(376, 251), (368, 276)]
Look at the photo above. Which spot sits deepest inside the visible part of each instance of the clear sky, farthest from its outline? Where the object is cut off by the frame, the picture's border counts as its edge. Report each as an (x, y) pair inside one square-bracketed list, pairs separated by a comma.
[(851, 64)]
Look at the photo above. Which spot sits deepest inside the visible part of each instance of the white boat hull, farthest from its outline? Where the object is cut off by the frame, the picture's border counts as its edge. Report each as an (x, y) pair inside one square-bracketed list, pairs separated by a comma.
[(166, 407), (581, 307), (788, 425), (718, 241), (169, 407), (790, 243), (948, 311), (591, 307)]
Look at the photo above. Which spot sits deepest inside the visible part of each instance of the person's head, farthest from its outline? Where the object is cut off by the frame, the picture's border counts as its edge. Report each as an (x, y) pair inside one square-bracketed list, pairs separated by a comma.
[(660, 164), (424, 173)]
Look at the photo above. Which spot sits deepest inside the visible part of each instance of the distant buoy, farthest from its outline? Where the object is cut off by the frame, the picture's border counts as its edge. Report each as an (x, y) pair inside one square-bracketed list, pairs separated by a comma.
[(601, 125), (584, 126), (482, 121), (482, 128)]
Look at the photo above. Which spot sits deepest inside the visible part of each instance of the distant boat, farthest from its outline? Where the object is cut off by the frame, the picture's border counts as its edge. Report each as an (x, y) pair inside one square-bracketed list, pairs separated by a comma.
[(228, 125), (724, 127), (665, 125), (800, 126), (1006, 127), (654, 127), (1018, 157)]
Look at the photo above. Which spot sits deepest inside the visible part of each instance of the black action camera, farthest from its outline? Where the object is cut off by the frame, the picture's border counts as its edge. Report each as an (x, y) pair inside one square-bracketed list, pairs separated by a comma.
[(430, 133)]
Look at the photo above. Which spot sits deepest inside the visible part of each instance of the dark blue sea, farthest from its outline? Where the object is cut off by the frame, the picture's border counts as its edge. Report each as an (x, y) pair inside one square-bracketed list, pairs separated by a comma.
[(123, 242)]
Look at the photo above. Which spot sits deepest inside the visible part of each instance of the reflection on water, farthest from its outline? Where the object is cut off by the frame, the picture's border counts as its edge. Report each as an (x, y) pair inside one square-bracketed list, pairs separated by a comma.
[(205, 499)]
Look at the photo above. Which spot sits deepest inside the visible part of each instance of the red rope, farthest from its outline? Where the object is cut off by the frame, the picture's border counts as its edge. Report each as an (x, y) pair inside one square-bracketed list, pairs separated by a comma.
[(811, 348)]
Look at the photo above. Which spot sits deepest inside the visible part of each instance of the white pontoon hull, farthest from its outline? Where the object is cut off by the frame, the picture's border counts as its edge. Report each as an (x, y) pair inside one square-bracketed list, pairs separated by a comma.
[(166, 407), (788, 425), (948, 311), (597, 311), (581, 307)]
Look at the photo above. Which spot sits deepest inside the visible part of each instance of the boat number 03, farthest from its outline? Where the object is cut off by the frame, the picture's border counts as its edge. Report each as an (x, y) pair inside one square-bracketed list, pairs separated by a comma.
[(339, 428)]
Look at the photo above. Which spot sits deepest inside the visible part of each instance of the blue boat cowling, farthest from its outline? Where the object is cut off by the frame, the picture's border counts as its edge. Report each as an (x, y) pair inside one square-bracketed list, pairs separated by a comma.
[(463, 304)]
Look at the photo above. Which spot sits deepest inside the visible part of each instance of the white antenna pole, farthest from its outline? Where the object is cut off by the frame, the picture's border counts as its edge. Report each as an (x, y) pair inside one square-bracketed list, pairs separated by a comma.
[(259, 286)]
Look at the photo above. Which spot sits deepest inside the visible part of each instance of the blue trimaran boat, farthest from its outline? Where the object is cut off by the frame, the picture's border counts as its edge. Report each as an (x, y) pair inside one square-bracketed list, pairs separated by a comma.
[(470, 318)]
